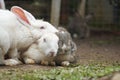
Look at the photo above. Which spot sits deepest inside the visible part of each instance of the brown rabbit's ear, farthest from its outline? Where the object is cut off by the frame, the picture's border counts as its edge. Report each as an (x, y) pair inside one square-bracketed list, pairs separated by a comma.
[(73, 47), (58, 34), (20, 13)]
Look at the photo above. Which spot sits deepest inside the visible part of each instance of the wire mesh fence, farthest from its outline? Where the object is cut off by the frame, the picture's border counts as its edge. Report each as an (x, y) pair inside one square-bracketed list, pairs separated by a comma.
[(106, 13)]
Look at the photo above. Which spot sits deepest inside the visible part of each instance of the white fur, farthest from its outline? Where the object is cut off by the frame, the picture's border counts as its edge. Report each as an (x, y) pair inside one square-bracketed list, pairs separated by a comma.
[(43, 49), (11, 62), (17, 35)]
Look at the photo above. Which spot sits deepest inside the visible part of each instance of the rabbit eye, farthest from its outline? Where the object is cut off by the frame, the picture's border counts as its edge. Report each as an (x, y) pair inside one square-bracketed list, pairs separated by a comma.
[(42, 27), (44, 40), (60, 43)]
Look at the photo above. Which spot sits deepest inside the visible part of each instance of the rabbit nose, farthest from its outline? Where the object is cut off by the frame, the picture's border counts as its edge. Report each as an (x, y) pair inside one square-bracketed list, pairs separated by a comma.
[(65, 51), (52, 54)]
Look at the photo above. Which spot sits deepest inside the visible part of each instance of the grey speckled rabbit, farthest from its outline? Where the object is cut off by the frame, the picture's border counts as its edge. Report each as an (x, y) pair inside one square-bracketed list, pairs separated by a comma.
[(67, 48)]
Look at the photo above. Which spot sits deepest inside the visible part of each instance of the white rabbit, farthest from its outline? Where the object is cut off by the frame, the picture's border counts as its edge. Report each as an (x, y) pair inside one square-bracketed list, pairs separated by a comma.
[(45, 49), (21, 29)]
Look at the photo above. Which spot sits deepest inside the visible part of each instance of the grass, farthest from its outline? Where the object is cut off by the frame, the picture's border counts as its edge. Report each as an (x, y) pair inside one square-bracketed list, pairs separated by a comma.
[(79, 72)]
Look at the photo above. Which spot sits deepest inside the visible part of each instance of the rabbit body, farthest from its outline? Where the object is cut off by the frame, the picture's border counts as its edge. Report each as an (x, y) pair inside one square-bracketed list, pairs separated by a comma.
[(78, 26), (4, 44)]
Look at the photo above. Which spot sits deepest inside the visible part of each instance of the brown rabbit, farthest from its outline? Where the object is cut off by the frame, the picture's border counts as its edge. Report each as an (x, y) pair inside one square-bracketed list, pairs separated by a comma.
[(78, 25)]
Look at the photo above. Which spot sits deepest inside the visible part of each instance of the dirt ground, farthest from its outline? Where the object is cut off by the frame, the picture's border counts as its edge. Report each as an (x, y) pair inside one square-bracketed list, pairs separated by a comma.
[(100, 48)]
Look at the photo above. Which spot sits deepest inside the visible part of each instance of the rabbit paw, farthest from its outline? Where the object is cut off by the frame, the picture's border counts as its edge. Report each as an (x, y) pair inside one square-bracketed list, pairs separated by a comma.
[(65, 63), (29, 61), (45, 63), (52, 63), (12, 62)]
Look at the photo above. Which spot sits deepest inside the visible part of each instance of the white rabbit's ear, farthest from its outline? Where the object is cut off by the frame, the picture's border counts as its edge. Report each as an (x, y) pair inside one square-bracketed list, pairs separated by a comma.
[(23, 15)]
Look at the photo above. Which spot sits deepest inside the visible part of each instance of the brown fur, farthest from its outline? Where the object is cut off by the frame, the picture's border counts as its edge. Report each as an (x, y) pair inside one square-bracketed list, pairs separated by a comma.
[(78, 25)]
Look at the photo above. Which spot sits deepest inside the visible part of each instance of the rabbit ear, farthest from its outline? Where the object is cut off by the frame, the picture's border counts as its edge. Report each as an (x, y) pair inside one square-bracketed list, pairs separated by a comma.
[(19, 13), (23, 15)]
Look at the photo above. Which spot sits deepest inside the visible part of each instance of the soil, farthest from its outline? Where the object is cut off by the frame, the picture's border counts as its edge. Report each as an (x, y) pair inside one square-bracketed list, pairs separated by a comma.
[(99, 48)]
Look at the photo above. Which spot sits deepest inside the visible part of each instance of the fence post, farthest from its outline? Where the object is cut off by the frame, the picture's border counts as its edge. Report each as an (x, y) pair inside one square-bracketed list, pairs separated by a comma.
[(55, 12)]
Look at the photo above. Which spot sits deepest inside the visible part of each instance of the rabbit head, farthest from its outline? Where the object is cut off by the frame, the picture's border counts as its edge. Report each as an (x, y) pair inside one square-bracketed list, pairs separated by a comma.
[(37, 27), (48, 44)]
